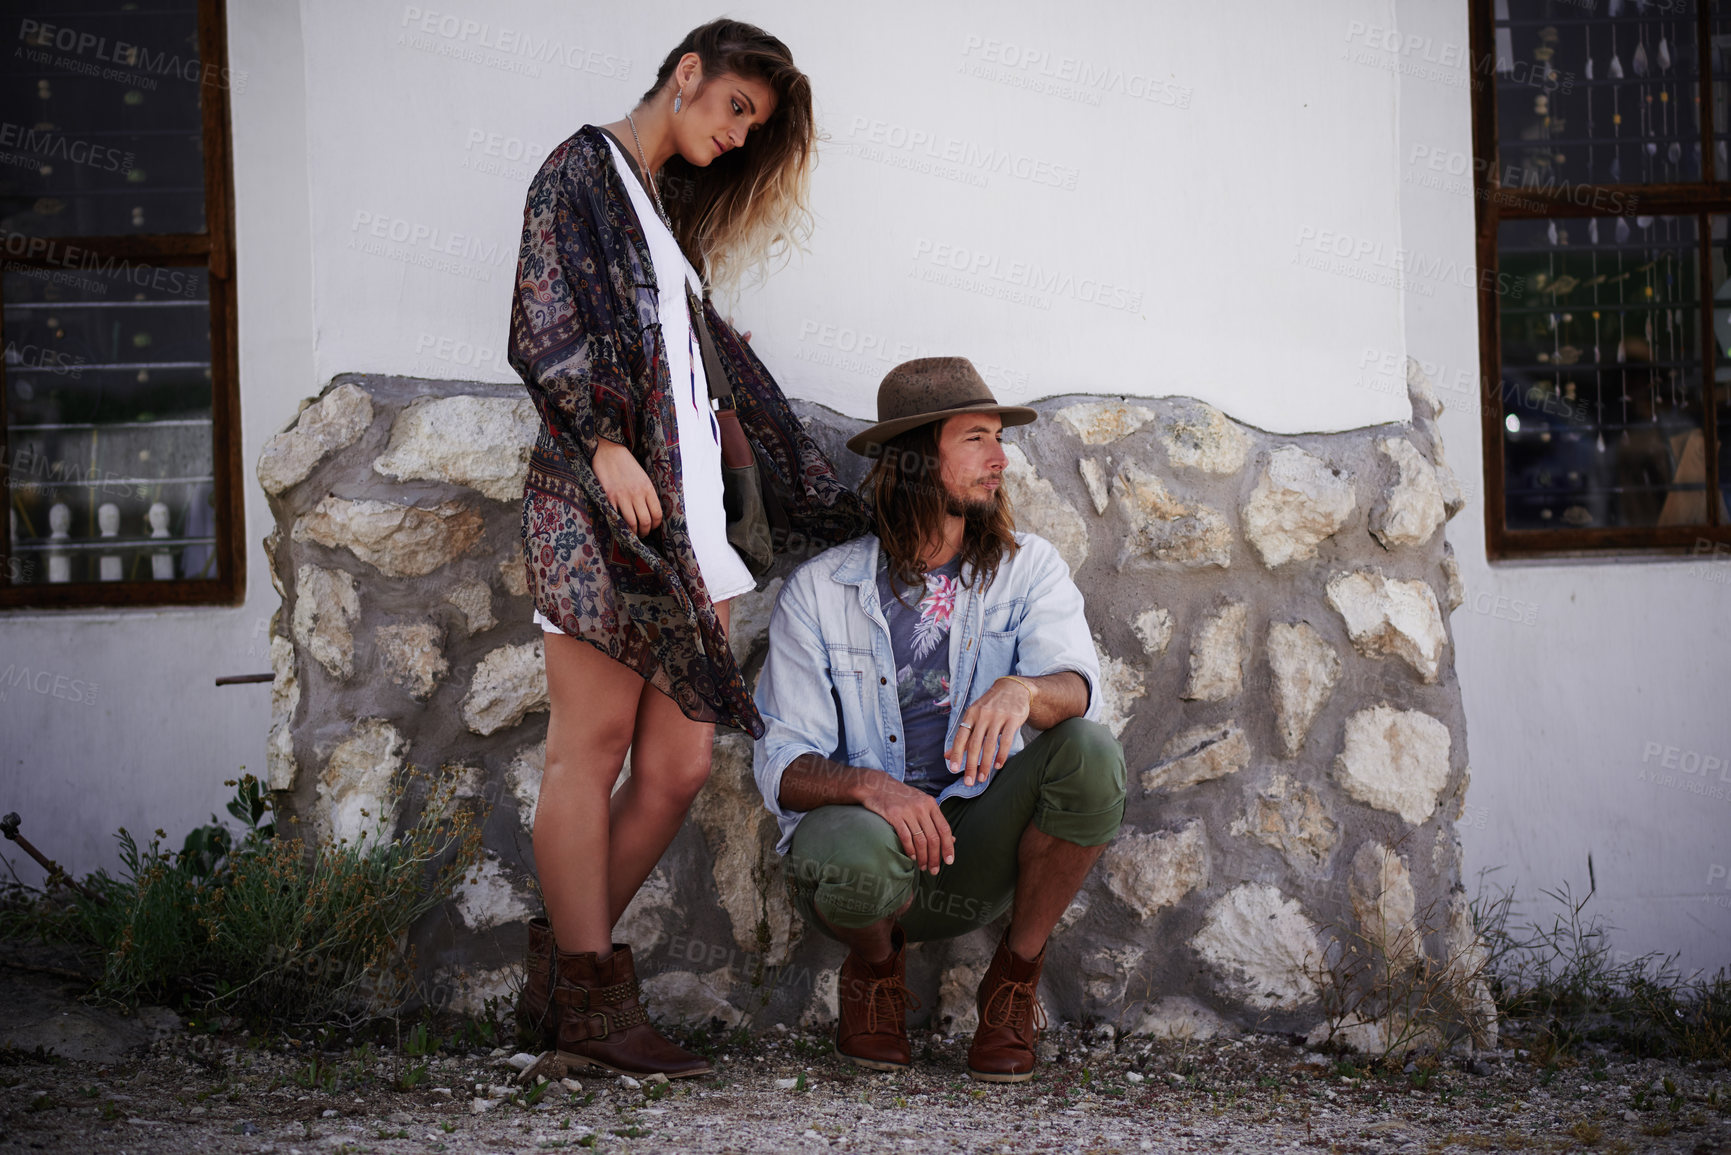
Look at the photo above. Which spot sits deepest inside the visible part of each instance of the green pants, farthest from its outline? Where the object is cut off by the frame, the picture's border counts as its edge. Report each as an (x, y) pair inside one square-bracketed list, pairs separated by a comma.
[(846, 863)]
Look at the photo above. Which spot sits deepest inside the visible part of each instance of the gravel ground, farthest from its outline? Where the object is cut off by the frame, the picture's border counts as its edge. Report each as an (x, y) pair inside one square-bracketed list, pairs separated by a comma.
[(786, 1091)]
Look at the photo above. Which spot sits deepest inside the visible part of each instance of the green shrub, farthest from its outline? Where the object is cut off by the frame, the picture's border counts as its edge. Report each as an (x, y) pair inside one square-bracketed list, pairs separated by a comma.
[(266, 927)]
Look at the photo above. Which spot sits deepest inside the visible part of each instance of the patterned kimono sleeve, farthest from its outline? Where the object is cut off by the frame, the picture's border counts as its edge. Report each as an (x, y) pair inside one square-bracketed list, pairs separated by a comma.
[(567, 341)]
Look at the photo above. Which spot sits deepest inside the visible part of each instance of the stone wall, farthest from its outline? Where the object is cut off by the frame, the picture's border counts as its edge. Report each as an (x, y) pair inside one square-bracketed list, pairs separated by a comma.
[(1271, 614)]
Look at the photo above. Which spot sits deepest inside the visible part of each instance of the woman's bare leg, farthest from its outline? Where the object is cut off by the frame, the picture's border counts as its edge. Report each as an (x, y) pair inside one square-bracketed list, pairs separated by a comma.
[(670, 758), (593, 704)]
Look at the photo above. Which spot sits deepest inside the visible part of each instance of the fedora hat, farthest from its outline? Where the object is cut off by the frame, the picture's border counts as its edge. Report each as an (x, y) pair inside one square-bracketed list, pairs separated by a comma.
[(928, 389)]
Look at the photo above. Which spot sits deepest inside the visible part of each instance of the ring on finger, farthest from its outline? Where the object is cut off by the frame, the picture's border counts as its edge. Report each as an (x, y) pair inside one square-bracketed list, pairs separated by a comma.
[(964, 725)]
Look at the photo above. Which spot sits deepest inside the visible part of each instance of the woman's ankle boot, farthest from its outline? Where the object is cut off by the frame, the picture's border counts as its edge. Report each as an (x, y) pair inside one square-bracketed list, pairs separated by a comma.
[(602, 1022), (535, 1010)]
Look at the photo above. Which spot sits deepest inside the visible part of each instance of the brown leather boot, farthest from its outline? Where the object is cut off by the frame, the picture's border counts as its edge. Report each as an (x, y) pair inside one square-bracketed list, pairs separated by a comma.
[(534, 1003), (1010, 1018), (602, 1022), (871, 1028)]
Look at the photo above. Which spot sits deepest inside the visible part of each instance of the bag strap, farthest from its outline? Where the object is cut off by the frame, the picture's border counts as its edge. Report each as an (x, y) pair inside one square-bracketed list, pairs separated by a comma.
[(720, 389)]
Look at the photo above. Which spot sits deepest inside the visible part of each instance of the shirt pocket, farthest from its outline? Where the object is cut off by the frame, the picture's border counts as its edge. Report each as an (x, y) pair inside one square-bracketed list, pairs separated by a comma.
[(853, 676), (1003, 617)]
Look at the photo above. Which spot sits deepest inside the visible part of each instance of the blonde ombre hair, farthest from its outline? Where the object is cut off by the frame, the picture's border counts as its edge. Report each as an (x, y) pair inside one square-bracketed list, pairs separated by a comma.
[(747, 209)]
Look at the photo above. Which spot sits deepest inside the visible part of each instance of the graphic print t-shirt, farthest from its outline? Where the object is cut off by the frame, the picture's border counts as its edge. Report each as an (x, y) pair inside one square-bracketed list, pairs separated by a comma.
[(919, 623)]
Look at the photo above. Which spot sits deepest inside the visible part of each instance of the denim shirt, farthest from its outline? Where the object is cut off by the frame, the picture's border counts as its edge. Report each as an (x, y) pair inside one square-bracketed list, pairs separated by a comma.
[(828, 687)]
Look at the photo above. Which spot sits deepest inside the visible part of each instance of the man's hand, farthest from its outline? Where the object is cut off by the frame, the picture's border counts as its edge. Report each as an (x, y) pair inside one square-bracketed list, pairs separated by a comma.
[(916, 819), (628, 488), (987, 729)]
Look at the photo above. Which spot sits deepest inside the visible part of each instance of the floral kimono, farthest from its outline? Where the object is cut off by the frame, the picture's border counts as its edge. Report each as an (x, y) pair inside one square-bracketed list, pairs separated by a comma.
[(586, 340)]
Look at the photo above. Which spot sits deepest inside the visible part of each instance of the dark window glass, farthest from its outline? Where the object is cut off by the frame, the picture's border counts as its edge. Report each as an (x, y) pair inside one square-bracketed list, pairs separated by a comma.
[(101, 130)]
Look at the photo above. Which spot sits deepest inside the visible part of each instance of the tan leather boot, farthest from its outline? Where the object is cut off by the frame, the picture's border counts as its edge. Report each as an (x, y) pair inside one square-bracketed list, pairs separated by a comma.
[(535, 1009), (1010, 1018), (602, 1022), (872, 1024)]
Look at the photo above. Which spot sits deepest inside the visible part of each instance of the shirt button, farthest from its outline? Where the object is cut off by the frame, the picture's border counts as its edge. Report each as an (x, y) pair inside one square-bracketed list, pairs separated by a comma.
[(892, 737), (883, 681)]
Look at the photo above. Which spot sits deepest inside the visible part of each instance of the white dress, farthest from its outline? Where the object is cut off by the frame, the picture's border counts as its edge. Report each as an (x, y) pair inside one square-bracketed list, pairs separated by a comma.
[(724, 574)]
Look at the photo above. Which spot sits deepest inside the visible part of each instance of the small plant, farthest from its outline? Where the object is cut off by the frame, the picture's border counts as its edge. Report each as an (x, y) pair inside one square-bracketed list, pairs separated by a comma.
[(412, 1077), (261, 926)]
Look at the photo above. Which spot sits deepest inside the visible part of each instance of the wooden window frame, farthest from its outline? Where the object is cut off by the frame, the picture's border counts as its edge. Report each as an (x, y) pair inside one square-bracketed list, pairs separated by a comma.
[(1702, 199), (213, 250)]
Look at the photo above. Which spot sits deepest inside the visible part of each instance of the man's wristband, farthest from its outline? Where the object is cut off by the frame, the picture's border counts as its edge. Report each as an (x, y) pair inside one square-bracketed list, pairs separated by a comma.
[(1026, 685)]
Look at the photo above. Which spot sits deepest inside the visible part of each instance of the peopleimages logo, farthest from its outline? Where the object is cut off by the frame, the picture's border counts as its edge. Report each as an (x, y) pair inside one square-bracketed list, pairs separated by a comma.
[(36, 145), (467, 39)]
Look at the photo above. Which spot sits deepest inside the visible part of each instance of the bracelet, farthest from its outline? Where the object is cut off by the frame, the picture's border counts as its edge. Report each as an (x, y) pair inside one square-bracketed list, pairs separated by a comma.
[(1026, 685)]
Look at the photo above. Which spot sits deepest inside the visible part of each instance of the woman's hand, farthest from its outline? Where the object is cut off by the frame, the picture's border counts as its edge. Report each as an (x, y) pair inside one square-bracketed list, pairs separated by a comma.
[(627, 487)]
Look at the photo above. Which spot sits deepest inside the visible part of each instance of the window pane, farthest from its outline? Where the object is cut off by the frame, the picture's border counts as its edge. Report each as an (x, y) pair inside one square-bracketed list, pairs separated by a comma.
[(1601, 373), (99, 119), (108, 415), (1584, 97)]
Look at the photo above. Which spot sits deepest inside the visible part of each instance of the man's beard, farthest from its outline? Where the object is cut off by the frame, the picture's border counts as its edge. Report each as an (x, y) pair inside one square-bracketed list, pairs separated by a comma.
[(975, 512)]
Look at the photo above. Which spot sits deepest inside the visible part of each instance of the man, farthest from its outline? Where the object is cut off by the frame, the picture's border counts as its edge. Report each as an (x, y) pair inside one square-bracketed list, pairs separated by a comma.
[(902, 668)]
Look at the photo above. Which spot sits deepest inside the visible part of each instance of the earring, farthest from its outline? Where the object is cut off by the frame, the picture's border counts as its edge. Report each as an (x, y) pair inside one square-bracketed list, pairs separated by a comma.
[(678, 97)]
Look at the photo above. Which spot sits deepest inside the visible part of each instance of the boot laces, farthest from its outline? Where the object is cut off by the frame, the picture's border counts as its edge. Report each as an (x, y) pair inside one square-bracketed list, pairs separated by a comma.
[(1004, 1007), (897, 1000)]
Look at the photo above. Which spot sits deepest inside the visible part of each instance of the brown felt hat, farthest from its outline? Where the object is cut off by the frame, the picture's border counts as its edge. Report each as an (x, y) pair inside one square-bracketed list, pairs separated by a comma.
[(931, 389)]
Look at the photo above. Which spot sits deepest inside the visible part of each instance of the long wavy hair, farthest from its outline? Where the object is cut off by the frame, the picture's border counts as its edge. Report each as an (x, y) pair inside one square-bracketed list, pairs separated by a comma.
[(747, 209), (906, 494)]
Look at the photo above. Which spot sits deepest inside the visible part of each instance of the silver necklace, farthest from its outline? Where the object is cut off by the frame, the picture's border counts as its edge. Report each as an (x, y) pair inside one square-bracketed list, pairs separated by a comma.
[(647, 179)]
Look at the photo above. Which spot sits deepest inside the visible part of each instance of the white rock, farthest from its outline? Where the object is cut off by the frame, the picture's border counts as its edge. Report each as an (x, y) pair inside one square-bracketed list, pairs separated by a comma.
[(1390, 618), (1396, 760), (1305, 669), (514, 574), (682, 997), (1413, 510), (327, 602), (480, 442), (509, 683), (741, 836), (1177, 1017), (1164, 529), (1103, 422), (475, 600), (355, 788), (332, 422), (1217, 655), (1150, 872), (397, 540), (1039, 509), (1262, 947), (281, 769), (629, 1083), (824, 1005), (1466, 963), (521, 1061), (1198, 755), (482, 1106), (572, 1085), (1154, 627), (411, 656), (1380, 889), (644, 921), (523, 779), (1201, 437), (786, 1084), (1290, 817), (1120, 684), (1094, 478), (1298, 503), (487, 898), (1109, 973), (1455, 592)]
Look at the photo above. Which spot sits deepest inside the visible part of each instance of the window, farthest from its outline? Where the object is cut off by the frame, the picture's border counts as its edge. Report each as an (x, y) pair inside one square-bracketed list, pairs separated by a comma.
[(118, 398), (1603, 194)]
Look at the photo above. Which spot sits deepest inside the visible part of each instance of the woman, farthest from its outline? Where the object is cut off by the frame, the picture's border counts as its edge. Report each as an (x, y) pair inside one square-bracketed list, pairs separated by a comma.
[(624, 531)]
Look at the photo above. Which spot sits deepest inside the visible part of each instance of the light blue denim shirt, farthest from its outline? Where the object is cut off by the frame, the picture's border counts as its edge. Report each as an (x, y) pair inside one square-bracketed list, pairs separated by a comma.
[(828, 682)]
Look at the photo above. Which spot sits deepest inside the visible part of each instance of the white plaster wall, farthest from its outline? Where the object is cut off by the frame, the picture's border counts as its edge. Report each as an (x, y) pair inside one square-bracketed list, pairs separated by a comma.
[(1577, 676), (154, 743), (1170, 263)]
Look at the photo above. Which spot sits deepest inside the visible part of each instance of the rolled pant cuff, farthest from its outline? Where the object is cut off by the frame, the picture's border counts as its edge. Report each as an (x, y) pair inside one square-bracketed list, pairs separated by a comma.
[(1084, 829)]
